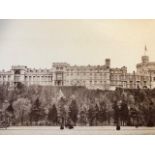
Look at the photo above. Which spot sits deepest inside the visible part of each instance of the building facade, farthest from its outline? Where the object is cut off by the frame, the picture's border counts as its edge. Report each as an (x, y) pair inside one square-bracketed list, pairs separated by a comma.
[(27, 76), (93, 77)]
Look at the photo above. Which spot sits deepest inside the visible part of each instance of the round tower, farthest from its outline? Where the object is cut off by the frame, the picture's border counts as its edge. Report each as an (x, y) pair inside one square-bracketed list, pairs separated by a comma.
[(145, 59)]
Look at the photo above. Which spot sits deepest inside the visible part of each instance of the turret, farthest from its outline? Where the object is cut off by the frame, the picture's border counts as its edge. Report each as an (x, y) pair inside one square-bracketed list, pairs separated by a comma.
[(107, 63), (145, 58)]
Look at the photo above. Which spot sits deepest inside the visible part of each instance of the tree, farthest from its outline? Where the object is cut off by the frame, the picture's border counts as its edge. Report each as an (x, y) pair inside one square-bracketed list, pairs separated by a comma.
[(150, 122), (83, 115), (102, 112), (52, 115), (22, 109), (134, 116), (91, 115), (96, 110), (2, 94), (62, 112), (37, 112), (83, 118), (116, 113), (149, 113), (7, 112), (73, 111), (124, 114)]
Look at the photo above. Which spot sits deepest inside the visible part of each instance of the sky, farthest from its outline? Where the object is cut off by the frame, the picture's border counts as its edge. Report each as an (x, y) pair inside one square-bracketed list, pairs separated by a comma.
[(39, 43)]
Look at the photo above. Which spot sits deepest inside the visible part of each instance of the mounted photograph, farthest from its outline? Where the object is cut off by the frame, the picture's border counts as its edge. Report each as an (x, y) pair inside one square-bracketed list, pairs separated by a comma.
[(77, 77)]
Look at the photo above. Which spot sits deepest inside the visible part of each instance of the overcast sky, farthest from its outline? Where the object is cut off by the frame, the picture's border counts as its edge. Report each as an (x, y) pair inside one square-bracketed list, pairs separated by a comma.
[(39, 43)]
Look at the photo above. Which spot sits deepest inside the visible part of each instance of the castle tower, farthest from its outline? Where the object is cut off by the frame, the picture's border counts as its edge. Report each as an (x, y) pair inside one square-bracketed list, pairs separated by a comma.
[(107, 63), (145, 58)]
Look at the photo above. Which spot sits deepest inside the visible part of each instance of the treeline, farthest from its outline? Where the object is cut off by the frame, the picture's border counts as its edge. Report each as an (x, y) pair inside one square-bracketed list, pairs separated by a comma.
[(38, 105)]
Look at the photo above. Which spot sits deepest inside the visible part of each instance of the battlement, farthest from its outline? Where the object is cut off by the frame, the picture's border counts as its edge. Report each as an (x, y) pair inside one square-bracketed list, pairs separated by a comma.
[(19, 67)]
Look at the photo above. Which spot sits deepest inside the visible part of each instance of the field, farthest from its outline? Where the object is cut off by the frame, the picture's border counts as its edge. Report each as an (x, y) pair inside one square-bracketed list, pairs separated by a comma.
[(106, 130)]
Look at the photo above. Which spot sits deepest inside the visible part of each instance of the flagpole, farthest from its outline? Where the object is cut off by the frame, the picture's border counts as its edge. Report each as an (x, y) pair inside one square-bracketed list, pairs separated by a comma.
[(145, 50)]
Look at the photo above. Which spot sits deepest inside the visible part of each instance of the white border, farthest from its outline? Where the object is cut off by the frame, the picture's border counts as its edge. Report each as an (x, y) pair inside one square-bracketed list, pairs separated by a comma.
[(77, 9), (80, 9), (77, 145)]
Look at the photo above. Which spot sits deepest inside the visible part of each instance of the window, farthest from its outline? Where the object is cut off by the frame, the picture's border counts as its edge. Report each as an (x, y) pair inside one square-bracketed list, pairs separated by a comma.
[(17, 71)]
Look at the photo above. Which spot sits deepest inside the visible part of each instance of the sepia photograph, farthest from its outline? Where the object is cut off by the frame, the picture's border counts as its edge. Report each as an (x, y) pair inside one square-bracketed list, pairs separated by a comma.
[(77, 77)]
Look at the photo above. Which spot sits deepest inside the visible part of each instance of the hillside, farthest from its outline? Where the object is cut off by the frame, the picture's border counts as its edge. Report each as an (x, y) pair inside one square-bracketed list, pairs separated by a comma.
[(42, 105)]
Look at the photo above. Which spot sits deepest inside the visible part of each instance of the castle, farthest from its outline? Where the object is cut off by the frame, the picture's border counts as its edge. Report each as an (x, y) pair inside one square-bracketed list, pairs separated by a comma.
[(92, 77)]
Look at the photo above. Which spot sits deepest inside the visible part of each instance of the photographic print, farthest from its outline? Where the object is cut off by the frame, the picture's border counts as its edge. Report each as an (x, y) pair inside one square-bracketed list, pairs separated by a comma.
[(77, 77)]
